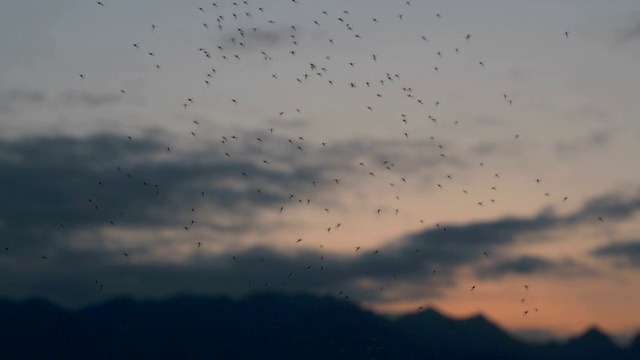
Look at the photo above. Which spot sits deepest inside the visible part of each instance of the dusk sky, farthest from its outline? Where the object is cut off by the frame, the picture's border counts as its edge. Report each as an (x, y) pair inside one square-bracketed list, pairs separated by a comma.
[(418, 150)]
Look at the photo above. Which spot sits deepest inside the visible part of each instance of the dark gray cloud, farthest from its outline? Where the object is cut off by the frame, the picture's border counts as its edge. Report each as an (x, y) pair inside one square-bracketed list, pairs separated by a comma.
[(467, 244), (610, 207), (400, 265), (50, 187), (627, 253), (464, 243), (48, 181), (68, 276), (530, 265), (524, 265)]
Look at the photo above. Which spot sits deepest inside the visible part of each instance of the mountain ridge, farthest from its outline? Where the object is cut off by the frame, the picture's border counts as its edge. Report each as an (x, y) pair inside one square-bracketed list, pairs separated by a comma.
[(269, 325)]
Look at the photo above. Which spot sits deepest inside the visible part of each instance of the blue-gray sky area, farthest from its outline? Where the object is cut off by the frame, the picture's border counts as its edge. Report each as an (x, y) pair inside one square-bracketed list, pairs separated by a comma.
[(400, 152)]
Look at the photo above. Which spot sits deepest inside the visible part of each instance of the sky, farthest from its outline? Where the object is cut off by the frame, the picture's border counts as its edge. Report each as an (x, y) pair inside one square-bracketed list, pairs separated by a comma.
[(407, 155)]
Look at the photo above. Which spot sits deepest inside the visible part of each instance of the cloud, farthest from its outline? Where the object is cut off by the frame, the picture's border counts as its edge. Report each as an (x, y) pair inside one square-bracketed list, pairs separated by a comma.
[(85, 183), (10, 99), (25, 29), (530, 265), (269, 37), (465, 245), (259, 268), (48, 181), (88, 99), (614, 206), (397, 267), (154, 186), (288, 123), (628, 252), (13, 100), (632, 34), (501, 148), (597, 140), (635, 32), (260, 38)]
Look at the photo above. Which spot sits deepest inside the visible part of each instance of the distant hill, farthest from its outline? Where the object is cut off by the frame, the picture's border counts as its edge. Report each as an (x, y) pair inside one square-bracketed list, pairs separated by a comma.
[(267, 326)]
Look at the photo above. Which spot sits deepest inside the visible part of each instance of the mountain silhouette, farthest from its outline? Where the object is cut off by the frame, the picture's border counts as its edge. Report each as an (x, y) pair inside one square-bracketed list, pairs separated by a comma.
[(595, 344), (635, 345), (267, 326)]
